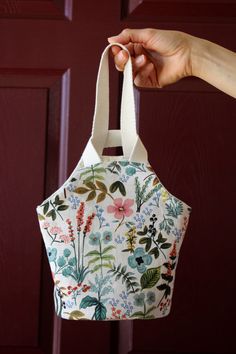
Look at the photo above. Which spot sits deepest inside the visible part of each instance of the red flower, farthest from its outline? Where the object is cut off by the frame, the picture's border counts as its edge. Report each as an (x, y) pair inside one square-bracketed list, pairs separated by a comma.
[(89, 220), (80, 216), (121, 208), (173, 251)]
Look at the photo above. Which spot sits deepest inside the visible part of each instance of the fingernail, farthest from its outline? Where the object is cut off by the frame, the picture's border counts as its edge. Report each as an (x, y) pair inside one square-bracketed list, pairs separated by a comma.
[(139, 59), (121, 55)]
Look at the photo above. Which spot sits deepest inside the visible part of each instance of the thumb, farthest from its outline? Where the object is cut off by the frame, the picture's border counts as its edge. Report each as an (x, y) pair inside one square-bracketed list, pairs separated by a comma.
[(132, 35)]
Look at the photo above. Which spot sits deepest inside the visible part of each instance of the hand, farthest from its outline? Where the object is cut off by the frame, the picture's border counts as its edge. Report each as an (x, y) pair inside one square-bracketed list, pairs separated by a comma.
[(159, 57)]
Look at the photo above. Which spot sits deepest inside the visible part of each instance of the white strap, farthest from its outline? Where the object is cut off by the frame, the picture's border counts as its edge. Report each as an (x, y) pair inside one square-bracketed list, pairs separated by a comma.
[(127, 137)]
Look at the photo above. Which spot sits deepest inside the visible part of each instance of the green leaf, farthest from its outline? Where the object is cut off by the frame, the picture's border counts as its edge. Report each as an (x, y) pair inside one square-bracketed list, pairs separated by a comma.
[(41, 217), (150, 278), (108, 257), (144, 232), (162, 287), (123, 270), (91, 195), (121, 188), (138, 314), (113, 187), (92, 253), (85, 172), (88, 301), (75, 315), (57, 199), (148, 245), (107, 249), (166, 245), (101, 186), (101, 197), (63, 207), (98, 266), (100, 311), (45, 208), (98, 177), (52, 214), (99, 169), (160, 238), (169, 278), (144, 240), (81, 190), (90, 185), (155, 252), (94, 260), (170, 222), (118, 276), (167, 291)]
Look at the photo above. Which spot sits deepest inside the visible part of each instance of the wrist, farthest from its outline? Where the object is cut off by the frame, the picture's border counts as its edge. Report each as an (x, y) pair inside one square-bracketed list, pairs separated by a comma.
[(200, 51)]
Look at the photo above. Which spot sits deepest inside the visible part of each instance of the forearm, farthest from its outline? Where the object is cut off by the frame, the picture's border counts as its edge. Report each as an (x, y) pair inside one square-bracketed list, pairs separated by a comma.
[(214, 64)]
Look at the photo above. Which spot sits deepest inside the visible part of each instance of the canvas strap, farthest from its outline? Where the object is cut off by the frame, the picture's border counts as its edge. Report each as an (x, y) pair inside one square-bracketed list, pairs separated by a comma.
[(101, 136)]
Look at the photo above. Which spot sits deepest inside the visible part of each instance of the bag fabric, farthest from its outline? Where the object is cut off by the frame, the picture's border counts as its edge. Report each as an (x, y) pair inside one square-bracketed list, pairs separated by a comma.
[(112, 231)]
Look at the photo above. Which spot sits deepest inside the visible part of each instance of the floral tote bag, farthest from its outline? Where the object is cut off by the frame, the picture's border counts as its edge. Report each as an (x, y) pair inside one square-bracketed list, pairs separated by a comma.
[(112, 231)]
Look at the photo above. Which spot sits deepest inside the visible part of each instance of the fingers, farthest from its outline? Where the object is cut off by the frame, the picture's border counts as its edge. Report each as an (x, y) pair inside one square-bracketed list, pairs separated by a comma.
[(132, 35)]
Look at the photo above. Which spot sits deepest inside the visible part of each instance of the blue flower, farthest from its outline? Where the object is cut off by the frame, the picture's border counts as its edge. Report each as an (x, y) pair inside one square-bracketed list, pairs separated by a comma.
[(94, 238), (107, 236), (67, 271), (61, 261), (151, 297), (72, 261), (52, 254), (139, 299), (139, 260), (67, 252), (130, 171)]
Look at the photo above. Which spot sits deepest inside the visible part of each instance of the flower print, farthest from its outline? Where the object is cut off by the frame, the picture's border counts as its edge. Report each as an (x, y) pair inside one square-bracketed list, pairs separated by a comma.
[(65, 238), (121, 209), (173, 252), (45, 225), (151, 297), (67, 271), (139, 299), (164, 196), (55, 230), (139, 260), (74, 201), (80, 216), (94, 238), (107, 236), (67, 252), (61, 261), (89, 220), (130, 171), (52, 254), (70, 228)]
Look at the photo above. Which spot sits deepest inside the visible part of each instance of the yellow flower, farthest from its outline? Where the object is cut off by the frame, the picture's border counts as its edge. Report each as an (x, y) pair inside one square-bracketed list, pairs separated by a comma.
[(164, 195)]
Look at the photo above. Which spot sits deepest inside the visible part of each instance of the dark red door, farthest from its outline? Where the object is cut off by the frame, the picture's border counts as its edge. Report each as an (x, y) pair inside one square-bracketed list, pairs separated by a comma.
[(49, 56)]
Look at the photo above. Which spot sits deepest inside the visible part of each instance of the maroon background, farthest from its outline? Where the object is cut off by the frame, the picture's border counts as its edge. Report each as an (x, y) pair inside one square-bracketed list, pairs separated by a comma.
[(49, 56)]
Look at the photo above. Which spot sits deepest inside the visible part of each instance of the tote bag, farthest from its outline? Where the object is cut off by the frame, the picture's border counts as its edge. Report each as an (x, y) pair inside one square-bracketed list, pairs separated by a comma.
[(112, 231)]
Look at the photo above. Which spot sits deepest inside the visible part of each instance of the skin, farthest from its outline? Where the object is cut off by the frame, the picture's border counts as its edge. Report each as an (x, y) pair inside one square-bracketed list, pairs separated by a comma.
[(162, 57)]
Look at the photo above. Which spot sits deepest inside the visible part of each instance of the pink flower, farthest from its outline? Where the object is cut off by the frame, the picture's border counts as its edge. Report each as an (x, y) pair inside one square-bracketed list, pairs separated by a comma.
[(55, 230), (121, 209), (65, 238), (46, 225)]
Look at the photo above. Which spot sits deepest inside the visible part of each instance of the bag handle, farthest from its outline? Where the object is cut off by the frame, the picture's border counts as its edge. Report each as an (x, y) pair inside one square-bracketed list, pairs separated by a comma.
[(127, 136)]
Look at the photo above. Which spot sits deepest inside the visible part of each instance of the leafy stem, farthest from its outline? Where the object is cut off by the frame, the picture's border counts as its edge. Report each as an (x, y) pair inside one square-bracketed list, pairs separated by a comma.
[(56, 211)]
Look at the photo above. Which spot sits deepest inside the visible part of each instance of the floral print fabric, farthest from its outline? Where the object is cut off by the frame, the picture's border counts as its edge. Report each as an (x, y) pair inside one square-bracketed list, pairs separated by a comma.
[(113, 234)]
